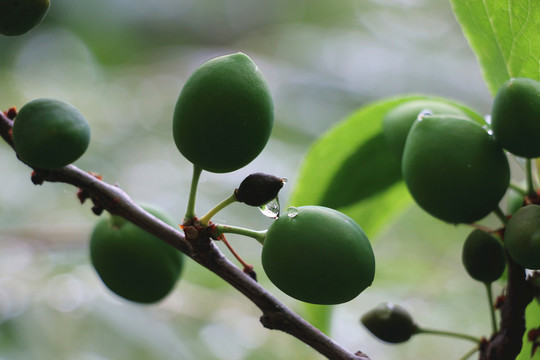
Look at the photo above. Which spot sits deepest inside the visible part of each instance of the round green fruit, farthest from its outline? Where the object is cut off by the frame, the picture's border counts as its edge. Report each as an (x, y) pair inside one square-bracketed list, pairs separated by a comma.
[(50, 134), (318, 255), (224, 114), (483, 256), (398, 121), (522, 237), (20, 16), (131, 262), (390, 323), (515, 117), (454, 169)]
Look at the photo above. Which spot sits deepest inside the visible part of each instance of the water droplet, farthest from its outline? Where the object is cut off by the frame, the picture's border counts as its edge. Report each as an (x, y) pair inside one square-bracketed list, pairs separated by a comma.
[(423, 114), (488, 129), (487, 119), (284, 180), (271, 209), (292, 212)]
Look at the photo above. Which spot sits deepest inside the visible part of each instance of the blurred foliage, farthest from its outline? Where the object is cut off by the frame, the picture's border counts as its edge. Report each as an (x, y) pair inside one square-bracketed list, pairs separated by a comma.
[(122, 64)]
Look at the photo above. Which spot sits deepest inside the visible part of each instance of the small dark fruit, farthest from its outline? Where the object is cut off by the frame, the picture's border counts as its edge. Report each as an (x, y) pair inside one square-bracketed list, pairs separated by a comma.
[(390, 323), (483, 256), (258, 189)]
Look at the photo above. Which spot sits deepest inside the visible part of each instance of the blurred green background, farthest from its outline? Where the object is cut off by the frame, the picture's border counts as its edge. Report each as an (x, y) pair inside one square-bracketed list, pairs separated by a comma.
[(122, 64)]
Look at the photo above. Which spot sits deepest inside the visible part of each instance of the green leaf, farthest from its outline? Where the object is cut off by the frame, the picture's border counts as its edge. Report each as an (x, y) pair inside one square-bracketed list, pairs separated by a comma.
[(532, 318), (505, 36), (351, 169)]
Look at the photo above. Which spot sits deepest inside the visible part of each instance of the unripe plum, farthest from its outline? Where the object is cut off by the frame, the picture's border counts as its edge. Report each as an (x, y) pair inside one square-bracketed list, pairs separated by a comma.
[(454, 169), (20, 16), (483, 256), (318, 255), (50, 134), (224, 114), (515, 117), (390, 322), (133, 263), (522, 237)]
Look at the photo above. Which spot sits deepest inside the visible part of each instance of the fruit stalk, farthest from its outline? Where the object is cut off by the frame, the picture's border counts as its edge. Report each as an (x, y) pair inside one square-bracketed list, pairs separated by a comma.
[(275, 315)]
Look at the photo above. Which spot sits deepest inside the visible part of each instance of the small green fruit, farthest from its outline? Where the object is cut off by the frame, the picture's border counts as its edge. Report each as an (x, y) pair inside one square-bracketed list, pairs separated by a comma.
[(515, 117), (20, 16), (318, 255), (522, 237), (50, 134), (514, 201), (483, 256), (454, 169), (398, 121), (131, 262), (224, 114), (390, 323)]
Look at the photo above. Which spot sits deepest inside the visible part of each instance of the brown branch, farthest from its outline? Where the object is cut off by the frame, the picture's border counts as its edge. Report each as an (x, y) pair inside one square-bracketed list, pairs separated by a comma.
[(201, 249), (506, 344)]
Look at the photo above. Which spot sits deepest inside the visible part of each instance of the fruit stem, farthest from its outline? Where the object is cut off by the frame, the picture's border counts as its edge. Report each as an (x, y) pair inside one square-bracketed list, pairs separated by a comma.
[(247, 268), (449, 334), (491, 307), (469, 353), (518, 188), (500, 214), (531, 192), (190, 211), (257, 235), (205, 219)]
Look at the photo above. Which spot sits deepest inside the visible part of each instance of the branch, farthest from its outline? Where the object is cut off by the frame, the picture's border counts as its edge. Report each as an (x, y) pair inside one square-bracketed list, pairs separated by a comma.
[(507, 343), (200, 248)]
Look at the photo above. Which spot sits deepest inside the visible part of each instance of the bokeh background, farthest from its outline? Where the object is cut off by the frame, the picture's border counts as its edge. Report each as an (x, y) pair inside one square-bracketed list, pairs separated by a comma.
[(122, 64)]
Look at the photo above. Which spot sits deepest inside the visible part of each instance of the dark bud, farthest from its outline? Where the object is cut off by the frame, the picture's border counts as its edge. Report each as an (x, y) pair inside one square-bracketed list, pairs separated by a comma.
[(258, 189), (390, 323)]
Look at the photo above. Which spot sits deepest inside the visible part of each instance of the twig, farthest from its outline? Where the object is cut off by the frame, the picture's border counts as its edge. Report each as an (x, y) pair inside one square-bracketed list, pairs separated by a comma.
[(275, 315)]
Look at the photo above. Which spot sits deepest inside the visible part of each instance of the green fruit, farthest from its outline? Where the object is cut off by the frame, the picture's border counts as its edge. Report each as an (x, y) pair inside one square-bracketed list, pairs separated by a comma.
[(514, 201), (318, 255), (515, 117), (398, 121), (133, 263), (50, 134), (454, 169), (390, 323), (483, 256), (522, 237), (20, 16), (224, 114)]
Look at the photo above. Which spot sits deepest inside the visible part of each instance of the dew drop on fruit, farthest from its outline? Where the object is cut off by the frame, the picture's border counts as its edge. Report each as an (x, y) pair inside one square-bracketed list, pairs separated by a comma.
[(271, 209), (292, 212), (424, 113)]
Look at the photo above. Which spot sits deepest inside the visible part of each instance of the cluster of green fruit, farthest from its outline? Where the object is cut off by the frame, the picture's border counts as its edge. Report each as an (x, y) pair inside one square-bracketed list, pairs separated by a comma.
[(222, 121), (457, 170)]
